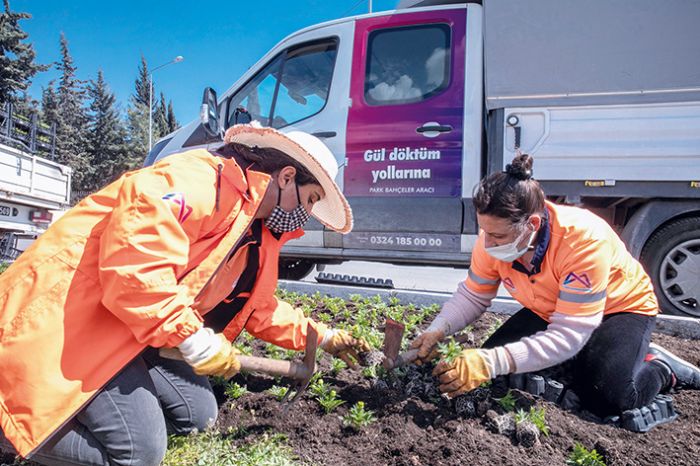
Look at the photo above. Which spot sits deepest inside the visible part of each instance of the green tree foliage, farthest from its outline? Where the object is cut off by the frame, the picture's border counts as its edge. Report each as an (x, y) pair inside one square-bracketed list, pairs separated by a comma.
[(17, 66), (106, 138), (160, 119), (142, 84), (71, 119), (137, 117), (173, 124)]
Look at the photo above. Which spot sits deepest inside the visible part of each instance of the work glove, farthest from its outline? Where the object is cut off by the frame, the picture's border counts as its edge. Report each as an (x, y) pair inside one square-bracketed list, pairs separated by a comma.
[(210, 353), (472, 368), (341, 344), (426, 344)]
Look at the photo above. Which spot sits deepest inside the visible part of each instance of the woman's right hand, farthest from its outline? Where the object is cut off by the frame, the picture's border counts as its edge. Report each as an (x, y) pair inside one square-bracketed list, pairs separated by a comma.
[(426, 344)]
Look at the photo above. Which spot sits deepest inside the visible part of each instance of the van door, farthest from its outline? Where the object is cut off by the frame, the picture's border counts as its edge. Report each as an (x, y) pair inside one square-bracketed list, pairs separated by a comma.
[(404, 135)]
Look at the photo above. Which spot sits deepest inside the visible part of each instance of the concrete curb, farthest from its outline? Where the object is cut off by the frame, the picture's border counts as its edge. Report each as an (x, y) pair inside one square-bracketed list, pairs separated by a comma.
[(683, 327)]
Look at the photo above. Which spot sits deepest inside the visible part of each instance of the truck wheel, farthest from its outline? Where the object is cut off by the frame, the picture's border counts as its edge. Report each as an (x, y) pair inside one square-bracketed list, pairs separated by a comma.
[(295, 269), (672, 258)]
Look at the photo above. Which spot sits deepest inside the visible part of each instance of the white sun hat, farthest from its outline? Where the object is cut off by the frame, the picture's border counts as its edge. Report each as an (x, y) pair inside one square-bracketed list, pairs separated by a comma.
[(333, 210)]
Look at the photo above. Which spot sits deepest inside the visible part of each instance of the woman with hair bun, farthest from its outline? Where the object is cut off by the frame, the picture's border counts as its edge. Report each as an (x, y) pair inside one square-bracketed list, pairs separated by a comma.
[(583, 296)]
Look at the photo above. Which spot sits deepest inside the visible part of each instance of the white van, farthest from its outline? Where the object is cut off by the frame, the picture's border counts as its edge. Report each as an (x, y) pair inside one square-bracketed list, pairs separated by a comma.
[(421, 102)]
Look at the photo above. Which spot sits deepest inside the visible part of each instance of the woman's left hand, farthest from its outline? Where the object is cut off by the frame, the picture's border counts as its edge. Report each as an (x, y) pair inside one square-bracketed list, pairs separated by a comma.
[(466, 372)]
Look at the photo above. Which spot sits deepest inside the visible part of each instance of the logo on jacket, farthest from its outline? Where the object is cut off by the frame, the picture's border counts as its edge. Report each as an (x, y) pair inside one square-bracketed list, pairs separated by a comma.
[(509, 283), (577, 282), (184, 210)]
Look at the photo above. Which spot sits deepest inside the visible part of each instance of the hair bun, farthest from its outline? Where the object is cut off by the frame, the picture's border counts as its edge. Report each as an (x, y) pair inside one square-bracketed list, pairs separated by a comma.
[(520, 168)]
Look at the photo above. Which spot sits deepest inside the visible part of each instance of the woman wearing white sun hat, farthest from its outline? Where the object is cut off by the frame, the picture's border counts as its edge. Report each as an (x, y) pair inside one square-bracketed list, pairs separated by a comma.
[(182, 254)]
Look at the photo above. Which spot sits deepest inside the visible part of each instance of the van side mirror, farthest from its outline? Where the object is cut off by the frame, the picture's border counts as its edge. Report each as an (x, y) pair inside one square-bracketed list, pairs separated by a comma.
[(209, 113)]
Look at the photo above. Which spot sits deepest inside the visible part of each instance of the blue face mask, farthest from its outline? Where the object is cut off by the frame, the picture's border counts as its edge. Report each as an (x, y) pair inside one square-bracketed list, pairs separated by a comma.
[(281, 221)]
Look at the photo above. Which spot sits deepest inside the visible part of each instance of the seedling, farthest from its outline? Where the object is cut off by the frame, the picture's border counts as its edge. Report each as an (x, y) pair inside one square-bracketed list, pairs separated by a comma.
[(536, 416), (329, 401), (358, 417), (318, 388), (580, 456), (507, 402), (337, 365), (449, 350), (235, 391), (278, 392), (243, 348), (274, 351)]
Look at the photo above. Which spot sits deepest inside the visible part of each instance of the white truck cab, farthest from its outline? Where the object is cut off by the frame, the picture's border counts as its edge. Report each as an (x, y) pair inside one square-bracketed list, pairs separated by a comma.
[(420, 103)]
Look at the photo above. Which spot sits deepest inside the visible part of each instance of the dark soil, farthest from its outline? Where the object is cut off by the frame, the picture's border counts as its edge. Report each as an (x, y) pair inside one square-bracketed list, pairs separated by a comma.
[(421, 428), (425, 430)]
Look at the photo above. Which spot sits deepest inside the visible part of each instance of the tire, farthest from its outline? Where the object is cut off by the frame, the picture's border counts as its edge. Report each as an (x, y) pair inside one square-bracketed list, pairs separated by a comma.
[(672, 258), (295, 269)]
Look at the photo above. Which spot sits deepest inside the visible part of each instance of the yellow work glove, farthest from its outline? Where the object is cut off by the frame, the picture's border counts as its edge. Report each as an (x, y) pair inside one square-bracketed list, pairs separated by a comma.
[(466, 372), (426, 344), (210, 353), (341, 344)]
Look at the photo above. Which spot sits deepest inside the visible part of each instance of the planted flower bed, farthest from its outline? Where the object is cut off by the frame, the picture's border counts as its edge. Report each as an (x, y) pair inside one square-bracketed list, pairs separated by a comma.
[(371, 417)]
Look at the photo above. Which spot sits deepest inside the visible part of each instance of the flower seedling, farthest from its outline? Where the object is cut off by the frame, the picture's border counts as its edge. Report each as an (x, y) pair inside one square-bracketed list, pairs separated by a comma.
[(536, 416), (318, 388), (337, 365), (583, 457), (278, 392), (507, 402), (449, 350), (329, 401), (235, 391), (358, 417)]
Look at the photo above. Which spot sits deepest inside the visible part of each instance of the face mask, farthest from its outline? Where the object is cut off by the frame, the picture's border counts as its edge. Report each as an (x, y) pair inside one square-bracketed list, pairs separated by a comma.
[(281, 221), (510, 252)]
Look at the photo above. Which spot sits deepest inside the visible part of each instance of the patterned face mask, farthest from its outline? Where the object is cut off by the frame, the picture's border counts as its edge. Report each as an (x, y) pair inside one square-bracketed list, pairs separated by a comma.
[(281, 221)]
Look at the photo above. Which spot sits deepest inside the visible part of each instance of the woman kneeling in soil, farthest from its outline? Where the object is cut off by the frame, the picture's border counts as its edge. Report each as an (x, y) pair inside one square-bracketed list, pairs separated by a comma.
[(584, 296), (183, 254)]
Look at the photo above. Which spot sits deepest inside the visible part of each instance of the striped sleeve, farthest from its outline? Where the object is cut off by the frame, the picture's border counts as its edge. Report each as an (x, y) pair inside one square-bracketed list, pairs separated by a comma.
[(482, 276), (583, 284)]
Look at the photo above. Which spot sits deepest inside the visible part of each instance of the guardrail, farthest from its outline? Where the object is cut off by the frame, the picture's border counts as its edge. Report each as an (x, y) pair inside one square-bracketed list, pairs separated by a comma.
[(26, 132)]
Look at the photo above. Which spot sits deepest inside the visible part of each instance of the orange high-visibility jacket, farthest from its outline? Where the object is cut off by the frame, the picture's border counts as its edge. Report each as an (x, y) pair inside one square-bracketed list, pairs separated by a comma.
[(121, 271)]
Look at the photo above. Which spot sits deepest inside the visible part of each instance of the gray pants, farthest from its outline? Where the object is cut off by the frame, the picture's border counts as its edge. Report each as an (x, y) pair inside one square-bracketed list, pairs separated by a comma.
[(127, 422)]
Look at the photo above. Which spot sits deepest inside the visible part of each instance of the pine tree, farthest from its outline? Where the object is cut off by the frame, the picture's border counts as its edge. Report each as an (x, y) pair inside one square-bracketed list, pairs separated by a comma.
[(17, 66), (142, 84), (173, 124), (137, 117), (70, 118), (160, 119), (106, 138)]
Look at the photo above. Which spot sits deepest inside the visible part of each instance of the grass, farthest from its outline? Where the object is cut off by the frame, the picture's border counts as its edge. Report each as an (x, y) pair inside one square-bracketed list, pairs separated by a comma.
[(581, 456), (211, 449)]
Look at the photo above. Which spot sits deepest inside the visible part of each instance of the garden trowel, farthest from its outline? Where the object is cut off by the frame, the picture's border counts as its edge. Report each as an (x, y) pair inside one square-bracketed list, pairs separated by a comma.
[(299, 372), (393, 335)]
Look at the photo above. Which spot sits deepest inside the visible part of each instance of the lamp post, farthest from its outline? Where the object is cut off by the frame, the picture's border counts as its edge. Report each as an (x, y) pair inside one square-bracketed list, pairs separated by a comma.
[(177, 59)]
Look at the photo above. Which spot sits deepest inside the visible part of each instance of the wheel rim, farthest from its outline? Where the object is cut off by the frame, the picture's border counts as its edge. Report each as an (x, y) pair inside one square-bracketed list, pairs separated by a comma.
[(680, 276)]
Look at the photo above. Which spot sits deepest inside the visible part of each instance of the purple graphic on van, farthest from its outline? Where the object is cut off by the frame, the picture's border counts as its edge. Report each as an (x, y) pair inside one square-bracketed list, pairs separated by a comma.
[(404, 134)]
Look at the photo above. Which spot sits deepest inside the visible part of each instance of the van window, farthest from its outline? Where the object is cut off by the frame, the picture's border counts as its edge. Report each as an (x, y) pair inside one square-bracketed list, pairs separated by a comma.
[(291, 87), (407, 64)]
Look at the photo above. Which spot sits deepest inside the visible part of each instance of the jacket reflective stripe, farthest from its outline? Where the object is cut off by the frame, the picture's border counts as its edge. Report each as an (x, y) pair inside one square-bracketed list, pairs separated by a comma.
[(480, 280), (582, 298)]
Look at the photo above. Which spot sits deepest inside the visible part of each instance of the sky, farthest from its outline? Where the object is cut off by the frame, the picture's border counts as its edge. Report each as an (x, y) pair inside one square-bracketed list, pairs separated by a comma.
[(218, 39)]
